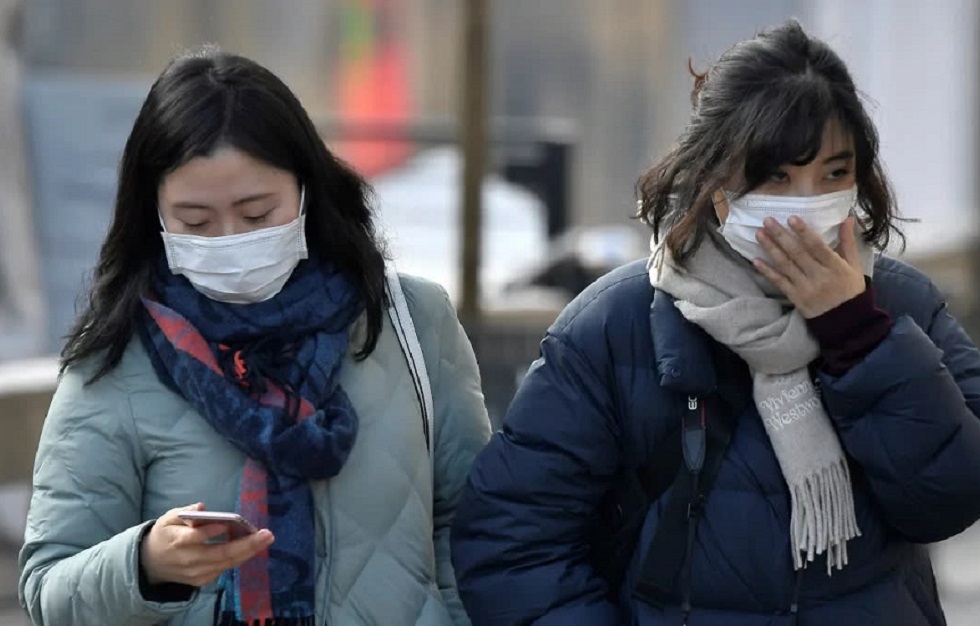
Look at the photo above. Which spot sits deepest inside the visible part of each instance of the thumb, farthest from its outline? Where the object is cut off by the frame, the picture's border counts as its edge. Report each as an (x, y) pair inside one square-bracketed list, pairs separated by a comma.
[(848, 242), (171, 517)]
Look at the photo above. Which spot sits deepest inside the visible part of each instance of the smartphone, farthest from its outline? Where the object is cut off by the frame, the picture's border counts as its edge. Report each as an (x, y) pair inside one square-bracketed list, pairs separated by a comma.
[(236, 526)]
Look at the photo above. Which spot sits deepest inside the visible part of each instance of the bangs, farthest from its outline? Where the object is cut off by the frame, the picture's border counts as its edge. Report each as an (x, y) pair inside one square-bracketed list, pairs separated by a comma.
[(259, 125), (186, 128), (787, 126), (246, 120)]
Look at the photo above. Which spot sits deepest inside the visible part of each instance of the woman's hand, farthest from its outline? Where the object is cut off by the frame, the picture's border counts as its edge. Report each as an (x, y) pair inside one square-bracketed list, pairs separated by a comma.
[(176, 552), (814, 277)]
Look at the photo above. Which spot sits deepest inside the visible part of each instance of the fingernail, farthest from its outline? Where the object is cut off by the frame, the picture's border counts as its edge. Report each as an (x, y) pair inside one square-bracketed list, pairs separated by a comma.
[(265, 536), (795, 222)]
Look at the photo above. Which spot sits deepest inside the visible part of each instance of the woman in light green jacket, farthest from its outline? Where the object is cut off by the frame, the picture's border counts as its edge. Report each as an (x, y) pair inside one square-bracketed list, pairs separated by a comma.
[(245, 351)]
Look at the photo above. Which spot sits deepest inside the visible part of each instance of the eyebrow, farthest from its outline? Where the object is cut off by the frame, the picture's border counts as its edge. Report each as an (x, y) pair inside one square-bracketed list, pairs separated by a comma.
[(843, 155), (247, 199)]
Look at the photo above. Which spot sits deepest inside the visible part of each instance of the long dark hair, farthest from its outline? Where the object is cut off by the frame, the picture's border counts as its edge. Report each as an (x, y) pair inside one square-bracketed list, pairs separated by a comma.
[(203, 101), (764, 103)]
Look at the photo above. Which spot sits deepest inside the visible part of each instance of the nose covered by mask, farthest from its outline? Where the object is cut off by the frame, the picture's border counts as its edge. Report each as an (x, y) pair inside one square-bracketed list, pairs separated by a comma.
[(240, 269), (824, 214)]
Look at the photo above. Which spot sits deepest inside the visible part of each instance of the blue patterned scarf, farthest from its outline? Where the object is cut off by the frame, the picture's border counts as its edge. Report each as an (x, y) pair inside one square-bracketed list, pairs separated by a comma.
[(264, 376)]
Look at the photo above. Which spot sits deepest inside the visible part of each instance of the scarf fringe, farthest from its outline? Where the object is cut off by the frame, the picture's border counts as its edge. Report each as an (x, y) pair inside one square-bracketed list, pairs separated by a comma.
[(823, 517), (229, 619)]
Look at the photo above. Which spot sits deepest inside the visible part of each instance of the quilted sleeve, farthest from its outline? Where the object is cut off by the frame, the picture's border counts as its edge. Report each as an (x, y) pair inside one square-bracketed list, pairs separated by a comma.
[(461, 425), (908, 414), (79, 564), (520, 539)]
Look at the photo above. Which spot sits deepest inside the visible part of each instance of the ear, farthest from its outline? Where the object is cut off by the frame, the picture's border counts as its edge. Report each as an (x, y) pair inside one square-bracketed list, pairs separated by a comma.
[(720, 202)]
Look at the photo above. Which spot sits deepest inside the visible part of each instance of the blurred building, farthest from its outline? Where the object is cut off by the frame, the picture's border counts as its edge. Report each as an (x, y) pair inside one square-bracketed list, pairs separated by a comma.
[(613, 71), (615, 68), (21, 298)]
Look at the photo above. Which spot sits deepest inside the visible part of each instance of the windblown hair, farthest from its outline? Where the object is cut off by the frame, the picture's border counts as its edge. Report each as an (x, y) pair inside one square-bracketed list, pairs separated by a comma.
[(763, 104)]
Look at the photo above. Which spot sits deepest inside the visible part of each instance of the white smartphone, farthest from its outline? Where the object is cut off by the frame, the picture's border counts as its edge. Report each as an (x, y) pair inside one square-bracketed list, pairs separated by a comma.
[(236, 525)]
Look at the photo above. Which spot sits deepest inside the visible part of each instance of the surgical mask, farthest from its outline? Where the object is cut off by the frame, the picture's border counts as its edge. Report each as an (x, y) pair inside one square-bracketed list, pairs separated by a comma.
[(239, 269), (824, 214)]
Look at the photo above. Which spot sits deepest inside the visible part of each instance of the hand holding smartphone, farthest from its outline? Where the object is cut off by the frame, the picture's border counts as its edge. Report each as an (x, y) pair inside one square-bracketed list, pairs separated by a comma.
[(173, 541), (236, 526)]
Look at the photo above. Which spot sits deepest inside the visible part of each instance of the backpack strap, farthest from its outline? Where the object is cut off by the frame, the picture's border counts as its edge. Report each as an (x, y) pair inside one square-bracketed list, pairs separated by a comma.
[(401, 319), (705, 436)]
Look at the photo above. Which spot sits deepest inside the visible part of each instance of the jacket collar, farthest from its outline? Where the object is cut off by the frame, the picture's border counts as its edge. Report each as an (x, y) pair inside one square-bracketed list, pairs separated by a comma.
[(691, 362), (683, 351)]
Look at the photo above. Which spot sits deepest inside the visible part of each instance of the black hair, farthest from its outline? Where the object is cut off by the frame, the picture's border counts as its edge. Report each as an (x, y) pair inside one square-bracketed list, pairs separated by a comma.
[(204, 101), (764, 103)]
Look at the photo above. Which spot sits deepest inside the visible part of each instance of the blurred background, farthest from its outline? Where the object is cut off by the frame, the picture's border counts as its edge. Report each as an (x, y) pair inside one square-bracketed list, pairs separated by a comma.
[(503, 139)]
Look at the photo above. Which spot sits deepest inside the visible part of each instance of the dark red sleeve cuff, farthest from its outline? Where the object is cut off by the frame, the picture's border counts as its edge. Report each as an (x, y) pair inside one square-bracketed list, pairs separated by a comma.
[(850, 332)]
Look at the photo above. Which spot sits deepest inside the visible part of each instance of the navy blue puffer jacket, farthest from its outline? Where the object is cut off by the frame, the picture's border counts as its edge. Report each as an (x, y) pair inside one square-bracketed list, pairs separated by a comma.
[(599, 400)]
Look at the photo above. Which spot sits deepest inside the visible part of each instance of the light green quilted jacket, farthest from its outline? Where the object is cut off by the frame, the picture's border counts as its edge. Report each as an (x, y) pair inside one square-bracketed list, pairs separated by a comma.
[(122, 451)]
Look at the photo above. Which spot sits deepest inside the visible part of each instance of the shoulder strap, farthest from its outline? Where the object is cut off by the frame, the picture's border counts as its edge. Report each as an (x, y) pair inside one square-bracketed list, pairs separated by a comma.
[(401, 319), (688, 459), (701, 440), (704, 437)]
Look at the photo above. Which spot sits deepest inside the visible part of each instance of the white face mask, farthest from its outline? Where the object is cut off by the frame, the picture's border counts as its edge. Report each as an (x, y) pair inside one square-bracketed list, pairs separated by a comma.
[(824, 214), (240, 269)]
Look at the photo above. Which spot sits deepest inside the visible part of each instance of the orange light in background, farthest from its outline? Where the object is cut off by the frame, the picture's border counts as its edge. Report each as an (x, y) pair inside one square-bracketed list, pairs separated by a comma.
[(373, 81)]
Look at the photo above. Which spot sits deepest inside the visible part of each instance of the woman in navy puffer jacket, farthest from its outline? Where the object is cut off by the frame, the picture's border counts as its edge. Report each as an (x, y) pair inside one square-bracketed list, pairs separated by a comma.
[(853, 394)]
